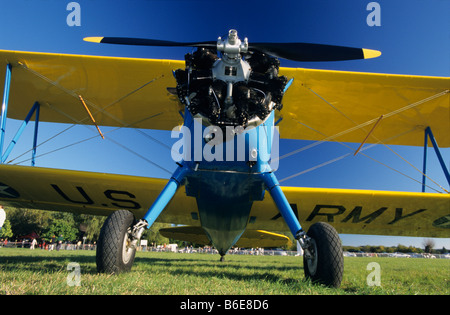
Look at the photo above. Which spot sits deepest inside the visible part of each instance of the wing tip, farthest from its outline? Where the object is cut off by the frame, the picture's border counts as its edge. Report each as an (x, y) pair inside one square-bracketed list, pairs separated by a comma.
[(371, 53), (93, 39)]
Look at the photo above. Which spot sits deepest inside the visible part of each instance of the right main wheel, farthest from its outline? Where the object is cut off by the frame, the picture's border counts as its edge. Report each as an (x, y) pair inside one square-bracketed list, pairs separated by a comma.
[(325, 262)]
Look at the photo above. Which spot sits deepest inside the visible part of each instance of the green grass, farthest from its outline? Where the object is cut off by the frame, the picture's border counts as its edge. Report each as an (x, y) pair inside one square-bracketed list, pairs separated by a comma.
[(23, 271)]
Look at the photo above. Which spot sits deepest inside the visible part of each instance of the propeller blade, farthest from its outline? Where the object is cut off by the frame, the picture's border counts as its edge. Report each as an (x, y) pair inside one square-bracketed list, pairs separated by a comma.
[(147, 42), (313, 52), (290, 51)]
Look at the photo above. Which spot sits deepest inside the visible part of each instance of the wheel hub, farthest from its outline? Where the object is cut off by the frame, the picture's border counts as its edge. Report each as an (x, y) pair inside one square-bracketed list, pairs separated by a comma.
[(127, 248), (311, 256)]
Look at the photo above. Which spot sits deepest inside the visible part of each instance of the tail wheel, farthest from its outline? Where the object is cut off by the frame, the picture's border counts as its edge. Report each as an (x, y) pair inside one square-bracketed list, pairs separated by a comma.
[(323, 261), (115, 253)]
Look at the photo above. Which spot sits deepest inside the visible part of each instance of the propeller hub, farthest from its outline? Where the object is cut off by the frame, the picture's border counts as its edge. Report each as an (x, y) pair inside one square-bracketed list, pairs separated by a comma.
[(232, 46)]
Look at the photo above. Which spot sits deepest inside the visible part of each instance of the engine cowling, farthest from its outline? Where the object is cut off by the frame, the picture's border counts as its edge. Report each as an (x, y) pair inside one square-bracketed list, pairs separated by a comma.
[(239, 88)]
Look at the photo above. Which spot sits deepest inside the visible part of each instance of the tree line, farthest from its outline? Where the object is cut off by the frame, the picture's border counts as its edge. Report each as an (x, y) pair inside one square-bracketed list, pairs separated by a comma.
[(395, 249), (71, 227)]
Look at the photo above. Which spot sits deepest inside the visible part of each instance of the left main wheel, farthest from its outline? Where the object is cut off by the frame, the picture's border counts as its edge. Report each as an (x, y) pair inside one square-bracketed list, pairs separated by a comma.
[(114, 251)]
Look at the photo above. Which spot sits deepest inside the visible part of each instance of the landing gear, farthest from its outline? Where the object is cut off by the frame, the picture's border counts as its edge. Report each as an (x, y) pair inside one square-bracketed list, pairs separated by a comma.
[(323, 260), (116, 246)]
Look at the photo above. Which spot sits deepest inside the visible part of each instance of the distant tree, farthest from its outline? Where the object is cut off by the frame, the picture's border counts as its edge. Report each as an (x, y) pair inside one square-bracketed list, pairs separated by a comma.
[(153, 235), (25, 221), (62, 224), (402, 249), (89, 225), (428, 245), (351, 249), (6, 231)]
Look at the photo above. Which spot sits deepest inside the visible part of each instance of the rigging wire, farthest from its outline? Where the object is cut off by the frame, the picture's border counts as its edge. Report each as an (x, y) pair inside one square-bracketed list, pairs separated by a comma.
[(103, 110), (361, 126), (94, 137), (388, 115), (40, 144), (358, 126), (349, 154)]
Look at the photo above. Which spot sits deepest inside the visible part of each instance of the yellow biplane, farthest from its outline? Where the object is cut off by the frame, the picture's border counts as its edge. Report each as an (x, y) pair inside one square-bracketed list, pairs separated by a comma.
[(230, 100)]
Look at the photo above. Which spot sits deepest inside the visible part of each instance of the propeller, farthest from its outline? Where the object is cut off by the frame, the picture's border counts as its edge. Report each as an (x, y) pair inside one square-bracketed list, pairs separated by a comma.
[(314, 52), (147, 42), (290, 51)]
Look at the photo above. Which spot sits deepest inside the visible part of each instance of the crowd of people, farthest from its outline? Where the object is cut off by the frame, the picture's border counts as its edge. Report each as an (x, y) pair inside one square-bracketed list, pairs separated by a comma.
[(55, 243)]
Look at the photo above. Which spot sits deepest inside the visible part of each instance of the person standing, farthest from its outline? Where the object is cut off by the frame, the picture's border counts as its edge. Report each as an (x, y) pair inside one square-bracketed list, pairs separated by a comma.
[(52, 243), (59, 244), (33, 243)]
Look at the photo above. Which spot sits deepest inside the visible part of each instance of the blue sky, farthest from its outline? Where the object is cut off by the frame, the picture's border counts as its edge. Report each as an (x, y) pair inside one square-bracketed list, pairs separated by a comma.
[(414, 38)]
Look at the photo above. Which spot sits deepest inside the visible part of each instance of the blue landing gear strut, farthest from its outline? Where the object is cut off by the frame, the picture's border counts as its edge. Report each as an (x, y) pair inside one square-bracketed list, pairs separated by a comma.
[(323, 260), (283, 205), (120, 234), (160, 203), (166, 194)]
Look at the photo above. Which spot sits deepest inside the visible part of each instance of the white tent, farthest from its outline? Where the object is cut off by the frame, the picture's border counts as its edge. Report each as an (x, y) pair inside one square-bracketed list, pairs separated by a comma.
[(2, 216)]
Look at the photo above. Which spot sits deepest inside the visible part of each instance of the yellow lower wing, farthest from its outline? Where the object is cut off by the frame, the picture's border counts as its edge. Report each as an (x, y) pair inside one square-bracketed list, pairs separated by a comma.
[(350, 211), (360, 211), (89, 192)]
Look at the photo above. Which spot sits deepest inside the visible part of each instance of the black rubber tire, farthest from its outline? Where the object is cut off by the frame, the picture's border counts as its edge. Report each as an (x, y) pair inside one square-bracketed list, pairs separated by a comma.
[(327, 267), (111, 257)]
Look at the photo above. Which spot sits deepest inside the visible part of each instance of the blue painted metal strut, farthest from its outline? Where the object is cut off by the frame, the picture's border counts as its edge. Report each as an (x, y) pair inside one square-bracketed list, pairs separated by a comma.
[(34, 108), (282, 203), (166, 194), (4, 113), (36, 128), (425, 153), (429, 134)]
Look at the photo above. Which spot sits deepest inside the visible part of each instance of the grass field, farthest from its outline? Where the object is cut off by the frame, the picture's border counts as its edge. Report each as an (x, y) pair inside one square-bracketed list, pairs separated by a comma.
[(23, 271)]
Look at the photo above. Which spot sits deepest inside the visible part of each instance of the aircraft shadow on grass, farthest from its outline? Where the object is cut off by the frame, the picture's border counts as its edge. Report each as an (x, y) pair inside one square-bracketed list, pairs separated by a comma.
[(50, 265)]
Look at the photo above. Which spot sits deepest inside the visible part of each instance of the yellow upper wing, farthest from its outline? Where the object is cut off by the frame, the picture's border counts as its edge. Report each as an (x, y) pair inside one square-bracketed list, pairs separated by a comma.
[(319, 105), (121, 92), (344, 106)]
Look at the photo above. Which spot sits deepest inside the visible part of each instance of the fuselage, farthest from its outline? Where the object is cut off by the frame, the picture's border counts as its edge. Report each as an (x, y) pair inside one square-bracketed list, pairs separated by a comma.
[(225, 175), (226, 142)]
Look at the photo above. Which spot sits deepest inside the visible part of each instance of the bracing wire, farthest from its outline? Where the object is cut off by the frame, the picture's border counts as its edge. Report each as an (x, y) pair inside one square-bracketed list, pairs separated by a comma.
[(329, 138), (94, 137), (361, 126), (103, 110)]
